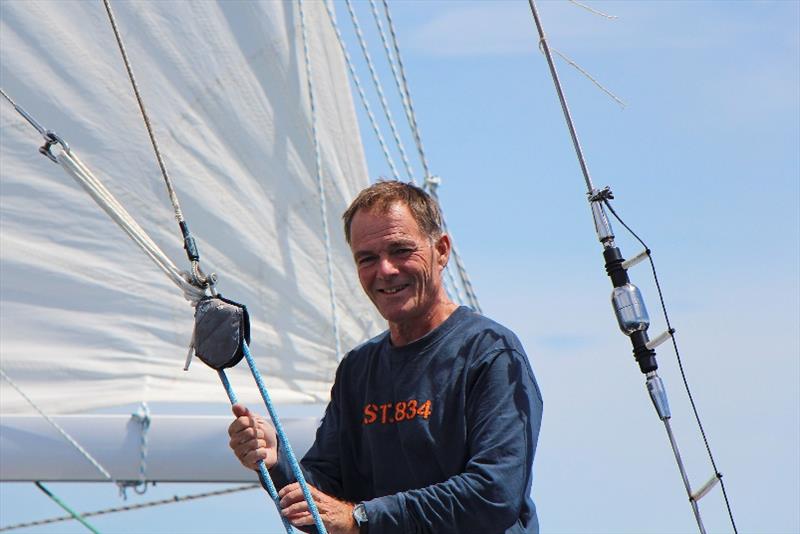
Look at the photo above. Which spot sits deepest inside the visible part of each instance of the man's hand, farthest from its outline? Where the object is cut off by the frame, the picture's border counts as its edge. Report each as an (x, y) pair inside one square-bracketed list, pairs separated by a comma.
[(252, 438), (336, 515)]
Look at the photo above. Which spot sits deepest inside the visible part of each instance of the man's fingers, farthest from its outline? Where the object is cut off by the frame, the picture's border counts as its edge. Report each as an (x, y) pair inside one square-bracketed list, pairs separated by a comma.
[(240, 410), (290, 494), (301, 520), (295, 509)]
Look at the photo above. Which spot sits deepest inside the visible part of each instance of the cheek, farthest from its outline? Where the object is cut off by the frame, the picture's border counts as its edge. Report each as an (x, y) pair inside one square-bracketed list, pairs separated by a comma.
[(365, 278)]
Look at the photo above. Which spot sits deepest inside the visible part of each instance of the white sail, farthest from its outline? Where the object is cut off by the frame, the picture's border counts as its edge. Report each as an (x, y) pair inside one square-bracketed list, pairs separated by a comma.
[(88, 322)]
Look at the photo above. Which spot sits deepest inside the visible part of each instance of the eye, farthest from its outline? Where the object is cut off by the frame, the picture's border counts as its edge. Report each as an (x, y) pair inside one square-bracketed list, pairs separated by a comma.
[(365, 260), (402, 251)]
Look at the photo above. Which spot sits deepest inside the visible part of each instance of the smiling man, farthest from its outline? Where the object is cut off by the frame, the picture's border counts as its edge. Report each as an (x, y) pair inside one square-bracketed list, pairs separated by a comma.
[(432, 426)]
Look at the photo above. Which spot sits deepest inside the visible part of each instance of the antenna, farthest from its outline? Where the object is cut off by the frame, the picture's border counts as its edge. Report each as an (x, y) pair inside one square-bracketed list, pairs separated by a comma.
[(625, 297)]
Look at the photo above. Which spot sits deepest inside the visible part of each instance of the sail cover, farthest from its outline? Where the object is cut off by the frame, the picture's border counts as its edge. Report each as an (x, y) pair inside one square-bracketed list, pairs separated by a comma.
[(88, 322)]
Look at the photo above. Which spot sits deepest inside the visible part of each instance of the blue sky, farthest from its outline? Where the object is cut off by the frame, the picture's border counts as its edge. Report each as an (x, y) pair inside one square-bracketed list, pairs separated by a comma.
[(705, 165)]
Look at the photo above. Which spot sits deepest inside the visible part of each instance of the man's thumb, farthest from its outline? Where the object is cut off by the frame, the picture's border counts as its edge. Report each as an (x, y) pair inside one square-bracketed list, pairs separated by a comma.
[(240, 410)]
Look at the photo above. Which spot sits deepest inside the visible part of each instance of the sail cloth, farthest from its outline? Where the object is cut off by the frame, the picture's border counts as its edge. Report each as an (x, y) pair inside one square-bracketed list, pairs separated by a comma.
[(87, 321)]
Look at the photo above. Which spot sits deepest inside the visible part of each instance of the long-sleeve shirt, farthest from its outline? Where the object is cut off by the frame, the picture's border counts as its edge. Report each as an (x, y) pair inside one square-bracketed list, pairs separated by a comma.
[(435, 436)]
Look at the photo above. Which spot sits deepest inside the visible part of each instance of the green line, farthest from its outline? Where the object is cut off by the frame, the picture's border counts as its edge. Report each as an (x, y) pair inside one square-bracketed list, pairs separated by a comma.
[(63, 505)]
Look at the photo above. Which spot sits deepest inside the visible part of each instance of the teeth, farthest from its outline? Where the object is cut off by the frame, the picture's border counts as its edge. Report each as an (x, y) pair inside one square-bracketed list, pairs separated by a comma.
[(393, 290)]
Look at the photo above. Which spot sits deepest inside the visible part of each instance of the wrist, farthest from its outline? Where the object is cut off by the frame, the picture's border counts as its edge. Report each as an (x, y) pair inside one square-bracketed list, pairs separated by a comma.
[(360, 518)]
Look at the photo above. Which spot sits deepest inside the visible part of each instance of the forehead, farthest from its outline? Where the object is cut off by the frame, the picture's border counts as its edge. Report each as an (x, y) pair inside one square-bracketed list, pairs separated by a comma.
[(392, 223)]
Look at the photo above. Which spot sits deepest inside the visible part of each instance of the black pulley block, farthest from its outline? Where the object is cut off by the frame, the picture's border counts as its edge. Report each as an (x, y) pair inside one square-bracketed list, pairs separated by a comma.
[(221, 328)]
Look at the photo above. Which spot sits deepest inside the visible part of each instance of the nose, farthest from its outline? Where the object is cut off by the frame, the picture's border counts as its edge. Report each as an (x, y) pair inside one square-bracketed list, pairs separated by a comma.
[(386, 267)]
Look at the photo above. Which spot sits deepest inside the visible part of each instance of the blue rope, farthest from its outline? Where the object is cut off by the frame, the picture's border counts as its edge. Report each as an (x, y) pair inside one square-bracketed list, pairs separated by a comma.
[(263, 474), (284, 443)]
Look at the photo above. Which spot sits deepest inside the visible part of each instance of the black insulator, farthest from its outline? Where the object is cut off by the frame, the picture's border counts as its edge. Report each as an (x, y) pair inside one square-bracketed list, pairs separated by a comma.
[(645, 357), (614, 259)]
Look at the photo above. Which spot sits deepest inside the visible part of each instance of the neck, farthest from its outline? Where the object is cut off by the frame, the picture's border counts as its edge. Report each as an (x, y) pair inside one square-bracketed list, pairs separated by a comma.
[(403, 333)]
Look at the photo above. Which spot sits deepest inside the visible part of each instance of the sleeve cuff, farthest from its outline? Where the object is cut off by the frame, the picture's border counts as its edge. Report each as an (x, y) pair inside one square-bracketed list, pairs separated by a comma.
[(387, 514)]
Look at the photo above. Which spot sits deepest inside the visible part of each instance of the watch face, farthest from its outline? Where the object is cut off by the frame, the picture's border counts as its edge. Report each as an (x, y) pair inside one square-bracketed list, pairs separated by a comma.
[(360, 514)]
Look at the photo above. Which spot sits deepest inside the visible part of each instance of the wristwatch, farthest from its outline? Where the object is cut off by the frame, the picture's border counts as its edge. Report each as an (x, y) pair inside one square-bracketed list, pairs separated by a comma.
[(360, 515)]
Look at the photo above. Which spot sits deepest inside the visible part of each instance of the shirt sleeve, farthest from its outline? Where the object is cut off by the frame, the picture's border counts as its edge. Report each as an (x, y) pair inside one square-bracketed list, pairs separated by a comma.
[(503, 418)]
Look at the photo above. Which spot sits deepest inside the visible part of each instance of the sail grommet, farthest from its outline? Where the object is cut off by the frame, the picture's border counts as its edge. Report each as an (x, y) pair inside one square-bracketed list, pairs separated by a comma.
[(221, 328)]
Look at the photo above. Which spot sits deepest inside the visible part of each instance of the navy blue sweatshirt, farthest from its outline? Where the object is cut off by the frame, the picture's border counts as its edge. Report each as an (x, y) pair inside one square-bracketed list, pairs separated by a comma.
[(436, 436)]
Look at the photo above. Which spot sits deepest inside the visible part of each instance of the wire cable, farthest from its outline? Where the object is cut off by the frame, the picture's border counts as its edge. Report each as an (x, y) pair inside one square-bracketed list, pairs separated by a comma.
[(680, 363), (379, 88), (363, 97), (127, 508)]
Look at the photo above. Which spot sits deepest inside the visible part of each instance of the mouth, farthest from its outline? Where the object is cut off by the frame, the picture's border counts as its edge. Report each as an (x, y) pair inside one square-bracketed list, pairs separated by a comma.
[(393, 290)]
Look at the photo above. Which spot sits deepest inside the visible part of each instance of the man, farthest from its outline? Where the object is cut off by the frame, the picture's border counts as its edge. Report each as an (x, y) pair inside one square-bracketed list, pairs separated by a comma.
[(432, 426)]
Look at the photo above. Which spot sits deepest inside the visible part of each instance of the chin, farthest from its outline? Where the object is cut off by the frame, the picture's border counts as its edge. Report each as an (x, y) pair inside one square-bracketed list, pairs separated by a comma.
[(397, 314)]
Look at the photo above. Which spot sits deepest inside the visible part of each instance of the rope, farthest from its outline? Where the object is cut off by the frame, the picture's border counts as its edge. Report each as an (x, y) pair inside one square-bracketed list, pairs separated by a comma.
[(472, 298), (263, 474), (170, 189), (60, 430), (408, 104), (680, 363), (591, 78), (320, 183), (431, 182), (175, 499), (75, 168), (72, 514), (592, 10), (283, 441), (189, 243), (142, 415), (361, 94), (379, 88)]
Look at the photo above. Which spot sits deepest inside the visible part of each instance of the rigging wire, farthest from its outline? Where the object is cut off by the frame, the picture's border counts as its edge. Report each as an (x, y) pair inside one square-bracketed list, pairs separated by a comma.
[(72, 513), (320, 182), (406, 94), (680, 362), (593, 10), (363, 97), (591, 78), (103, 471), (379, 88), (127, 508), (430, 182)]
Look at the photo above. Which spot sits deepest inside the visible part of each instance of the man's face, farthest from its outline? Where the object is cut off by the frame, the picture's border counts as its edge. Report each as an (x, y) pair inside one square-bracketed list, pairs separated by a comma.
[(399, 267)]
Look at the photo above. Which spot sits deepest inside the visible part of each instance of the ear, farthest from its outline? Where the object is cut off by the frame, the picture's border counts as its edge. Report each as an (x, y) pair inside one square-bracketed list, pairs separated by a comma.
[(442, 247)]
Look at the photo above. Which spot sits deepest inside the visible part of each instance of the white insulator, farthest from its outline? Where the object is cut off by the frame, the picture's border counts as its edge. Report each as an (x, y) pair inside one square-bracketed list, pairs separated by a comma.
[(661, 338), (708, 486), (627, 264)]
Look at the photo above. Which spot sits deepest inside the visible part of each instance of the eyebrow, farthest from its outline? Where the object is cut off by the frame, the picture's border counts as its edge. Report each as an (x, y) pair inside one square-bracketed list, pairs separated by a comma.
[(400, 242)]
